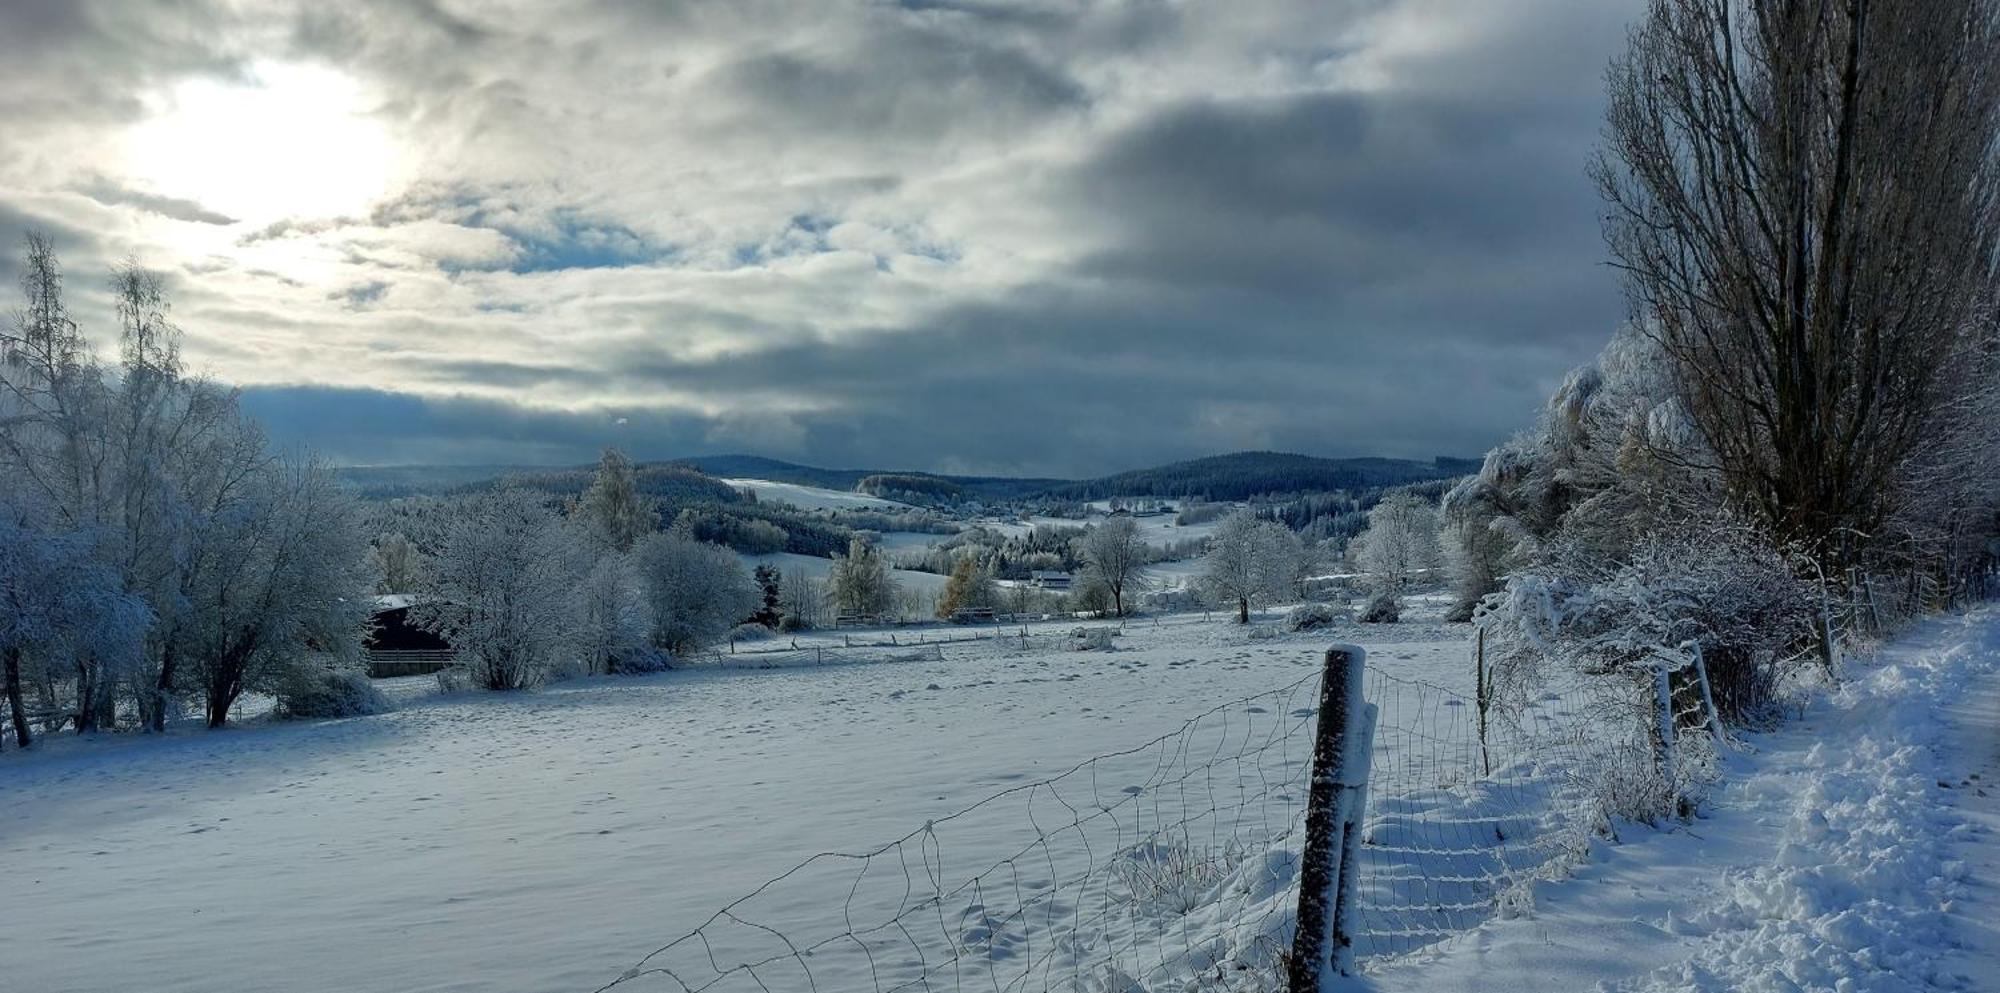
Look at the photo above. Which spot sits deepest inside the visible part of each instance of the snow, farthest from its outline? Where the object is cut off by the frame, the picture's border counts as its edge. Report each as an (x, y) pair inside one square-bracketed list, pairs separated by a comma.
[(1830, 857), (811, 497), (547, 840), (792, 563)]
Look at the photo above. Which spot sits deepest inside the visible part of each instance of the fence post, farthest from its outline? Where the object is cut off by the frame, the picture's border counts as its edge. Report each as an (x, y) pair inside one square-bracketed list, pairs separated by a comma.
[(1663, 708), (1481, 698), (1323, 944), (1707, 696)]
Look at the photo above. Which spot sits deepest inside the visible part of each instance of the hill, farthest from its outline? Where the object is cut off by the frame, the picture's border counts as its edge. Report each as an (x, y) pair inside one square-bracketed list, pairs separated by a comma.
[(1238, 476), (985, 488), (1243, 475)]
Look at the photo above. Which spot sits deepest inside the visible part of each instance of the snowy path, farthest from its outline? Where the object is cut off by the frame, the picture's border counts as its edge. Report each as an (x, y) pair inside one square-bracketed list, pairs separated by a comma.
[(1972, 767), (1839, 853)]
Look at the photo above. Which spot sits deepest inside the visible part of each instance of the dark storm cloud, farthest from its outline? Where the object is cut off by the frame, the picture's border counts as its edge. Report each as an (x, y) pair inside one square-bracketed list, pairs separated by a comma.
[(1038, 237)]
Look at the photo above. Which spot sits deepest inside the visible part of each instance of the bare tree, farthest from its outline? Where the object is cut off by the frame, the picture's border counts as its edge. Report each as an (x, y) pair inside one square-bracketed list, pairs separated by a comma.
[(1114, 555), (1250, 561), (1805, 199)]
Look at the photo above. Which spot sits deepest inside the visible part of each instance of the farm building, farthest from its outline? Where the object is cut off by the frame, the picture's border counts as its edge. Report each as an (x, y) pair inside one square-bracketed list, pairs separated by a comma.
[(396, 647)]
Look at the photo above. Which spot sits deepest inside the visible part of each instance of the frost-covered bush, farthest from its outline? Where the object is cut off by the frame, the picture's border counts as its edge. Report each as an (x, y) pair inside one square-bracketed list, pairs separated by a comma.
[(639, 660), (750, 632), (1721, 585), (1384, 607), (1091, 639), (311, 692), (1313, 616)]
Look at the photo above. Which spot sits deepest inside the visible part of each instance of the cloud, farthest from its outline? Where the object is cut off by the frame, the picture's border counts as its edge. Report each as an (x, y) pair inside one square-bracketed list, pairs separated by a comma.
[(1034, 237), (112, 195)]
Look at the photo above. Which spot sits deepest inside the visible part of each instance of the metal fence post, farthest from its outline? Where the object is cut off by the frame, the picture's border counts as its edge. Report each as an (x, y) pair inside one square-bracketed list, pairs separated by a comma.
[(1323, 944)]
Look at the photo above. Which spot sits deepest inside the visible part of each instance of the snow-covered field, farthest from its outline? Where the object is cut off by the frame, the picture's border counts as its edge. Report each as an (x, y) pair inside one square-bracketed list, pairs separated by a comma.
[(790, 563), (544, 841), (811, 497), (547, 841)]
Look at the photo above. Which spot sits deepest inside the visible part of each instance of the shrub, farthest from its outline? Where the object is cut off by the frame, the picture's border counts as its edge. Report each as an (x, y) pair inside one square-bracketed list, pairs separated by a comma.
[(749, 632), (640, 659), (1091, 639), (316, 693), (1313, 616), (1383, 608)]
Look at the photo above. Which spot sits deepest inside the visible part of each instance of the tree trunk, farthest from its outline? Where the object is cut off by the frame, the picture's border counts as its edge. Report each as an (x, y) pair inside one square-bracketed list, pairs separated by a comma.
[(1243, 610), (156, 719), (217, 708), (86, 697), (14, 704)]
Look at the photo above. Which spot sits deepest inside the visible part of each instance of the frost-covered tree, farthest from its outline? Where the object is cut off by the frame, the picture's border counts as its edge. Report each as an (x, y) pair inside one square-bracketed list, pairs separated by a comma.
[(281, 584), (399, 566), (859, 583), (612, 510), (1474, 550), (1114, 557), (614, 618), (503, 589), (57, 602), (1401, 541), (1250, 561), (697, 591)]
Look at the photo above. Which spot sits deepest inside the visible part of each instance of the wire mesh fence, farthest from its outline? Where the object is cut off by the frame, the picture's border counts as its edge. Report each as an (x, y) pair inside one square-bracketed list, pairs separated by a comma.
[(1090, 880)]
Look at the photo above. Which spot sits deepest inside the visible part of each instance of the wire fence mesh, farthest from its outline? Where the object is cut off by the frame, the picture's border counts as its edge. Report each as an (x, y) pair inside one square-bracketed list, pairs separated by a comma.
[(1088, 880)]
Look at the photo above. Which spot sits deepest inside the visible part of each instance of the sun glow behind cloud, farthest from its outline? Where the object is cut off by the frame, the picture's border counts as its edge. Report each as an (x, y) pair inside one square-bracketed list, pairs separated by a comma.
[(289, 141)]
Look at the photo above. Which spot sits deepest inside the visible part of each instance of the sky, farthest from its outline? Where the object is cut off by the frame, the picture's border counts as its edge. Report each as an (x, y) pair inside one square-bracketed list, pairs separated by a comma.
[(955, 235)]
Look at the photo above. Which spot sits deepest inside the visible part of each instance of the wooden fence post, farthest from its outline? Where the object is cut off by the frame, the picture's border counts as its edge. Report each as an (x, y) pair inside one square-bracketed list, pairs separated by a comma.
[(1707, 696), (1663, 710), (1323, 944), (1482, 698)]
